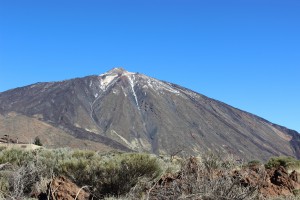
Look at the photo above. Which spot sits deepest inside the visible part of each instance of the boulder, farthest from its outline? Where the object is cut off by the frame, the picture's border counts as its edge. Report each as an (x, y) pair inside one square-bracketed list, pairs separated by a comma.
[(62, 188)]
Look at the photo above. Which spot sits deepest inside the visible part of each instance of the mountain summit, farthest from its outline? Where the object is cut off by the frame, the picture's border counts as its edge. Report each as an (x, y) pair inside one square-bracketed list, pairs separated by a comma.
[(116, 70), (134, 112)]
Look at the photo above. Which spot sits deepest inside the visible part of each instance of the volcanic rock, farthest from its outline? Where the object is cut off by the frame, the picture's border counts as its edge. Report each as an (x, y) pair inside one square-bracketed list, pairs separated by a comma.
[(61, 188)]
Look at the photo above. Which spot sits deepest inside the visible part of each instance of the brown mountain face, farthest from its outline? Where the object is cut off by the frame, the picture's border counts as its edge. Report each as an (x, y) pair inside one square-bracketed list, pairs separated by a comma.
[(133, 112)]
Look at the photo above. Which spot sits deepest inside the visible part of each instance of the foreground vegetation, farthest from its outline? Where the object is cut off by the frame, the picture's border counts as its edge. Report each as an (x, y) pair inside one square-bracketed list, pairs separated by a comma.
[(24, 174), (288, 162), (105, 174)]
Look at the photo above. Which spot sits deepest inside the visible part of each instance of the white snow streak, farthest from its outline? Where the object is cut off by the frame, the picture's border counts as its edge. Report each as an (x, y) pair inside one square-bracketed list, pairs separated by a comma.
[(124, 91), (132, 88), (122, 138), (92, 107)]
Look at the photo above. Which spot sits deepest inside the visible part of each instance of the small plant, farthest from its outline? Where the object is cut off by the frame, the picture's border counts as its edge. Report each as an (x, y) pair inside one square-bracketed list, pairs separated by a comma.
[(253, 163), (37, 141), (211, 161), (296, 192), (2, 148), (4, 186)]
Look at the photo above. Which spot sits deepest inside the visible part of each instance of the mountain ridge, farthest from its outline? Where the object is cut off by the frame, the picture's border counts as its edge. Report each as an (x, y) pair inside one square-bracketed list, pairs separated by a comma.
[(131, 111)]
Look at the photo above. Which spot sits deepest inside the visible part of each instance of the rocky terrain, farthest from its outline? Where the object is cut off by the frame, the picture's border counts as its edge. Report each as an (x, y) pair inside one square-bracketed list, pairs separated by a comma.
[(195, 181), (133, 112)]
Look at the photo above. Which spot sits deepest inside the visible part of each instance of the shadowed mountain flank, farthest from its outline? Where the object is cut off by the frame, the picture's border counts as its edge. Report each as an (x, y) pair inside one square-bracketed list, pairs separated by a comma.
[(134, 112)]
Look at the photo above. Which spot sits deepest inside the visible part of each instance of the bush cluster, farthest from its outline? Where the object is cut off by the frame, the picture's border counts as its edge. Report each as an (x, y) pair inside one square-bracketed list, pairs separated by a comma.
[(105, 174), (287, 162), (129, 175), (209, 177)]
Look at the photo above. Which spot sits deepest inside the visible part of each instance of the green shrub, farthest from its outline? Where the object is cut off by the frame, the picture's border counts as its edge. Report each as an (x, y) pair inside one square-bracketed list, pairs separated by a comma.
[(83, 154), (4, 186), (15, 156), (76, 169), (296, 192), (106, 174), (2, 148), (254, 163), (123, 173), (37, 141), (111, 174), (287, 162)]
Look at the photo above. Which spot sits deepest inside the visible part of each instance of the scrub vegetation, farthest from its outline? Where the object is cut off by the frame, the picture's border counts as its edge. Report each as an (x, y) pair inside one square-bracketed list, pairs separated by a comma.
[(25, 174)]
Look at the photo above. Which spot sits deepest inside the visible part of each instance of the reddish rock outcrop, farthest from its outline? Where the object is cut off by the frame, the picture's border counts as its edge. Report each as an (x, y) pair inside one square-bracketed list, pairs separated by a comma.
[(273, 182), (295, 176), (61, 188)]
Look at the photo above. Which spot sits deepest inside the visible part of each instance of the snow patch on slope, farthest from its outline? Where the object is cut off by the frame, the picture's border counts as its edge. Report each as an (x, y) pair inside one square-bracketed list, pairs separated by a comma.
[(159, 85), (191, 94), (106, 80), (131, 82)]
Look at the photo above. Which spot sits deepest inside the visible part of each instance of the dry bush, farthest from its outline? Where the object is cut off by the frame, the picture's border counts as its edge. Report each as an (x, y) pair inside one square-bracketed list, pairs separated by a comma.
[(18, 181), (22, 180), (205, 178), (40, 186), (118, 174)]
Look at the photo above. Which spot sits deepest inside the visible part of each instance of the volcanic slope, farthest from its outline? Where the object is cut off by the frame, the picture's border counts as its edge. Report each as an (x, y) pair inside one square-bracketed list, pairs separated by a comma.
[(133, 112)]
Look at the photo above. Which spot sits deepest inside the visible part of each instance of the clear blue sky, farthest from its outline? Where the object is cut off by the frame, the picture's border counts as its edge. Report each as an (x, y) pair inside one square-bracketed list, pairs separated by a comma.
[(245, 52)]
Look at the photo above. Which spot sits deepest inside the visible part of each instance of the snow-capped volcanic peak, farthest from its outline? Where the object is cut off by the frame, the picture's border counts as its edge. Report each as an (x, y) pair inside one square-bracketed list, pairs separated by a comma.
[(114, 74), (109, 78), (117, 71)]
